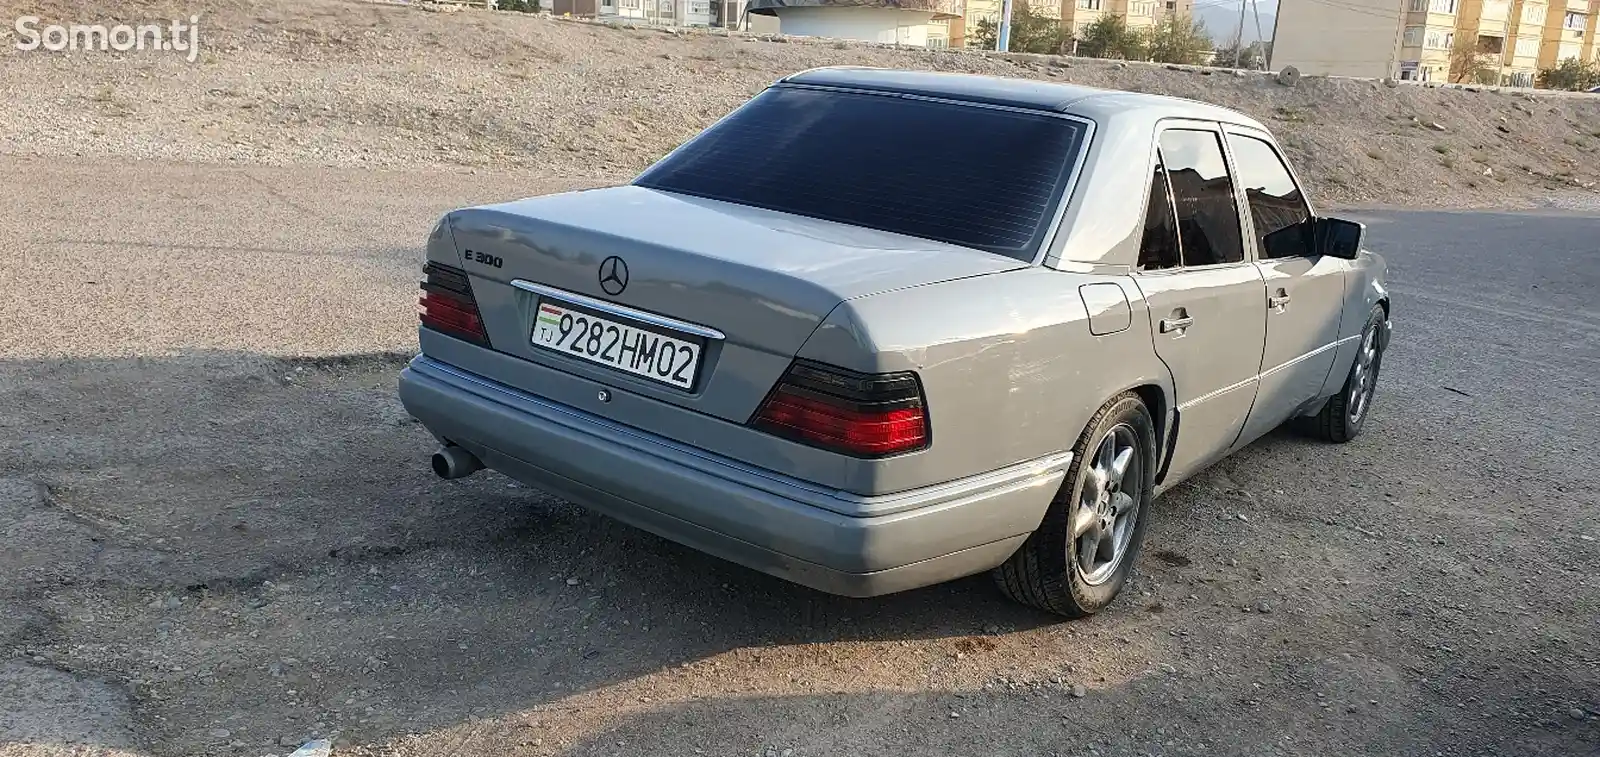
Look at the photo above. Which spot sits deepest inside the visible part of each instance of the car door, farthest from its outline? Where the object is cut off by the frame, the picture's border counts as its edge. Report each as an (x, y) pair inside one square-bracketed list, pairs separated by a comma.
[(1204, 294), (1303, 292)]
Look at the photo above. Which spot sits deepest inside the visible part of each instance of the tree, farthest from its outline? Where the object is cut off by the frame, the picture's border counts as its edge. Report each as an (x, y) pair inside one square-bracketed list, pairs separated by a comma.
[(1109, 37), (1234, 56), (1251, 56), (985, 34), (1571, 74), (1468, 63), (1179, 39), (1031, 32)]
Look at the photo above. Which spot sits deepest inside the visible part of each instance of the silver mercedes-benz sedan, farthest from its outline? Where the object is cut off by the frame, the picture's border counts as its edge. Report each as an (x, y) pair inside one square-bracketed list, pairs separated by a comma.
[(877, 329)]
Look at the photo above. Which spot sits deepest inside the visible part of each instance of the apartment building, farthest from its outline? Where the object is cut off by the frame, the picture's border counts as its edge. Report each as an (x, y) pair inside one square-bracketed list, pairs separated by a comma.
[(974, 11), (1569, 31), (1074, 14), (664, 12), (1140, 14), (1414, 39), (1524, 38)]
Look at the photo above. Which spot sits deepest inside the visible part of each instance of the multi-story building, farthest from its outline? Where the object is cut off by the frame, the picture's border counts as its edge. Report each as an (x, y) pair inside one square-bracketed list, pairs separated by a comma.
[(1427, 37), (1524, 38), (899, 22), (664, 12), (1417, 39), (1140, 14), (1074, 14), (1568, 32), (974, 12)]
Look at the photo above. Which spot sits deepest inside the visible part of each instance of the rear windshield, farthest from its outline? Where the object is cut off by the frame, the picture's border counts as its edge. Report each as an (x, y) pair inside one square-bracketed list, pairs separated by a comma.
[(975, 176)]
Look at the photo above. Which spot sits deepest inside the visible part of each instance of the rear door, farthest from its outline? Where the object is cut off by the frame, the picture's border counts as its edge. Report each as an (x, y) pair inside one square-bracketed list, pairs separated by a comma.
[(1304, 293), (1206, 309)]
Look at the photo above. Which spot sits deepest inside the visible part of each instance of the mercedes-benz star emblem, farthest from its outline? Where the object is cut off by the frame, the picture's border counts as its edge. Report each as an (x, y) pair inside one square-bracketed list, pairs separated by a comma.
[(613, 275)]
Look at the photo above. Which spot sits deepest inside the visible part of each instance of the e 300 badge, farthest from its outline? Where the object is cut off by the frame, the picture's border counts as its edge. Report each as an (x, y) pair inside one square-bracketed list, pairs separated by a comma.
[(485, 258)]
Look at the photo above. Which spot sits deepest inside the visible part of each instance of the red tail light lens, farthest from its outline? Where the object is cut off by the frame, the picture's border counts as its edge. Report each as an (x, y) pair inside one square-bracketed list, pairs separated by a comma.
[(859, 414), (447, 304)]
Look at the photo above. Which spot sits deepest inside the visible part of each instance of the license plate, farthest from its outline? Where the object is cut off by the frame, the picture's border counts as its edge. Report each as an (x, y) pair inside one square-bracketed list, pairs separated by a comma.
[(661, 356)]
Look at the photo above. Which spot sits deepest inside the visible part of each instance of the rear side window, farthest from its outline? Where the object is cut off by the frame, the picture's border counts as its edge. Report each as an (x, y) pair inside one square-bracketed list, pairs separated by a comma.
[(1275, 202), (1208, 217), (970, 175)]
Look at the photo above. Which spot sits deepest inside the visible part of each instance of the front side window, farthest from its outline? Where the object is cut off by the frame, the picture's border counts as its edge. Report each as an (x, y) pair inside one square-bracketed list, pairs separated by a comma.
[(862, 159), (1277, 207), (1202, 194)]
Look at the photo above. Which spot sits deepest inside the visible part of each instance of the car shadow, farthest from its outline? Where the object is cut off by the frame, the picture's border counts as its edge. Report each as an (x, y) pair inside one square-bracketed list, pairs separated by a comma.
[(274, 524)]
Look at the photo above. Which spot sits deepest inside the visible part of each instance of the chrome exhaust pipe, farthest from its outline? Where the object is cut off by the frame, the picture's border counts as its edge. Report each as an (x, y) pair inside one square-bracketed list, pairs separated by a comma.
[(452, 461)]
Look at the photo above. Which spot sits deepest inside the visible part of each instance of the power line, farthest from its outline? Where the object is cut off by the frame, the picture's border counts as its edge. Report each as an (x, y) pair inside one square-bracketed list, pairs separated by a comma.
[(1367, 11)]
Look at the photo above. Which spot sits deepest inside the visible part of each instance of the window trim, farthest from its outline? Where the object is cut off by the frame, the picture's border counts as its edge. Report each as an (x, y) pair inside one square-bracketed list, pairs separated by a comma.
[(1229, 130), (1172, 212), (1246, 241)]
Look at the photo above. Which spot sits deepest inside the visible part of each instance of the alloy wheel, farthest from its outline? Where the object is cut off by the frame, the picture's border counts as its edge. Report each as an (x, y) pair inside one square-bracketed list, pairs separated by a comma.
[(1108, 507), (1365, 377)]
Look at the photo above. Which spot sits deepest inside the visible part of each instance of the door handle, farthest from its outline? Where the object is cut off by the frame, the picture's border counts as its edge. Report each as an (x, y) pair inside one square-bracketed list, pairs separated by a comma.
[(1169, 325), (1278, 300)]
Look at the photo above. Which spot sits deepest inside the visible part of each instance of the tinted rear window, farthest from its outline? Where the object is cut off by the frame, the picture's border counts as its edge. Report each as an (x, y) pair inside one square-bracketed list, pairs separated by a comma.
[(969, 175)]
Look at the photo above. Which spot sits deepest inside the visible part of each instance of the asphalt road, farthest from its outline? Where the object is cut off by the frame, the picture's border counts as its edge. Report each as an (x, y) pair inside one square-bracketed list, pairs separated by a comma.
[(221, 537)]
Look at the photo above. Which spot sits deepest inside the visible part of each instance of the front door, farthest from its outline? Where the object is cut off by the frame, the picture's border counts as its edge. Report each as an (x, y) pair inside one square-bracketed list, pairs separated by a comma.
[(1207, 315), (1304, 292)]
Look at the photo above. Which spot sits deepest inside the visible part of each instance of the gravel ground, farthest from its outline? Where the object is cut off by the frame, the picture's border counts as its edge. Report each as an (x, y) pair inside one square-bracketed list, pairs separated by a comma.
[(223, 539), (360, 85)]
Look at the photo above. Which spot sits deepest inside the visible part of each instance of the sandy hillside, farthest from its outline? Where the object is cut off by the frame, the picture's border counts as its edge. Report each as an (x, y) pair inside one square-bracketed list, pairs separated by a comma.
[(336, 83)]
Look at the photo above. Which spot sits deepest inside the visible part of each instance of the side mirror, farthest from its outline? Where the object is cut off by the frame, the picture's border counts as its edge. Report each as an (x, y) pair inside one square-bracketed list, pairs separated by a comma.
[(1338, 237)]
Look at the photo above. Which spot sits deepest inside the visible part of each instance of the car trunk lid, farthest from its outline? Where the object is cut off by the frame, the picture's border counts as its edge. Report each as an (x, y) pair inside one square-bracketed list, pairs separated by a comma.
[(762, 280)]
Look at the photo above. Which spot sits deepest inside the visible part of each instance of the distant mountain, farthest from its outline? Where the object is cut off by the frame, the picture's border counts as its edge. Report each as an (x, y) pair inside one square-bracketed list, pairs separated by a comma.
[(1222, 19)]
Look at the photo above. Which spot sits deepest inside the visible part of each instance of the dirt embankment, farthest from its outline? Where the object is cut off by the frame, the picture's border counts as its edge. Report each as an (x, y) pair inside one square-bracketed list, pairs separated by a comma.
[(358, 84)]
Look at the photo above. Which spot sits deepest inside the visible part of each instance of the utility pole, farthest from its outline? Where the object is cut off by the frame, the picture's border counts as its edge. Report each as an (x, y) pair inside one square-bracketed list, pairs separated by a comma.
[(1260, 45), (1003, 41), (1238, 36)]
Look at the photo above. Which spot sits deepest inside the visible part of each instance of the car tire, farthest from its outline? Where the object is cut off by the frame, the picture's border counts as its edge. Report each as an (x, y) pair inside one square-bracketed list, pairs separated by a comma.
[(1343, 416), (1054, 569)]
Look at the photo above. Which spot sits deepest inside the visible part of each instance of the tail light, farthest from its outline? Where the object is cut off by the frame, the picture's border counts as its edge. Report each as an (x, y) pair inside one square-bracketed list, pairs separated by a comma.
[(859, 414), (447, 304)]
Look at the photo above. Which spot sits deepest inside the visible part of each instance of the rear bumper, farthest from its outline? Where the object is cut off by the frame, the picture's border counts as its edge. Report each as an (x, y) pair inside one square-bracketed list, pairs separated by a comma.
[(757, 518)]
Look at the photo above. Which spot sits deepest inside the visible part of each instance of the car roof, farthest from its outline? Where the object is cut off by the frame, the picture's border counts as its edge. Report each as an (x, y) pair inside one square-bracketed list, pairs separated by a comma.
[(1018, 93)]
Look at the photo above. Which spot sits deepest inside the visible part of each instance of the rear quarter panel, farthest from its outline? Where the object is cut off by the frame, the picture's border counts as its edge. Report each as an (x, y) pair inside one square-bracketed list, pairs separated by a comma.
[(1008, 363)]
